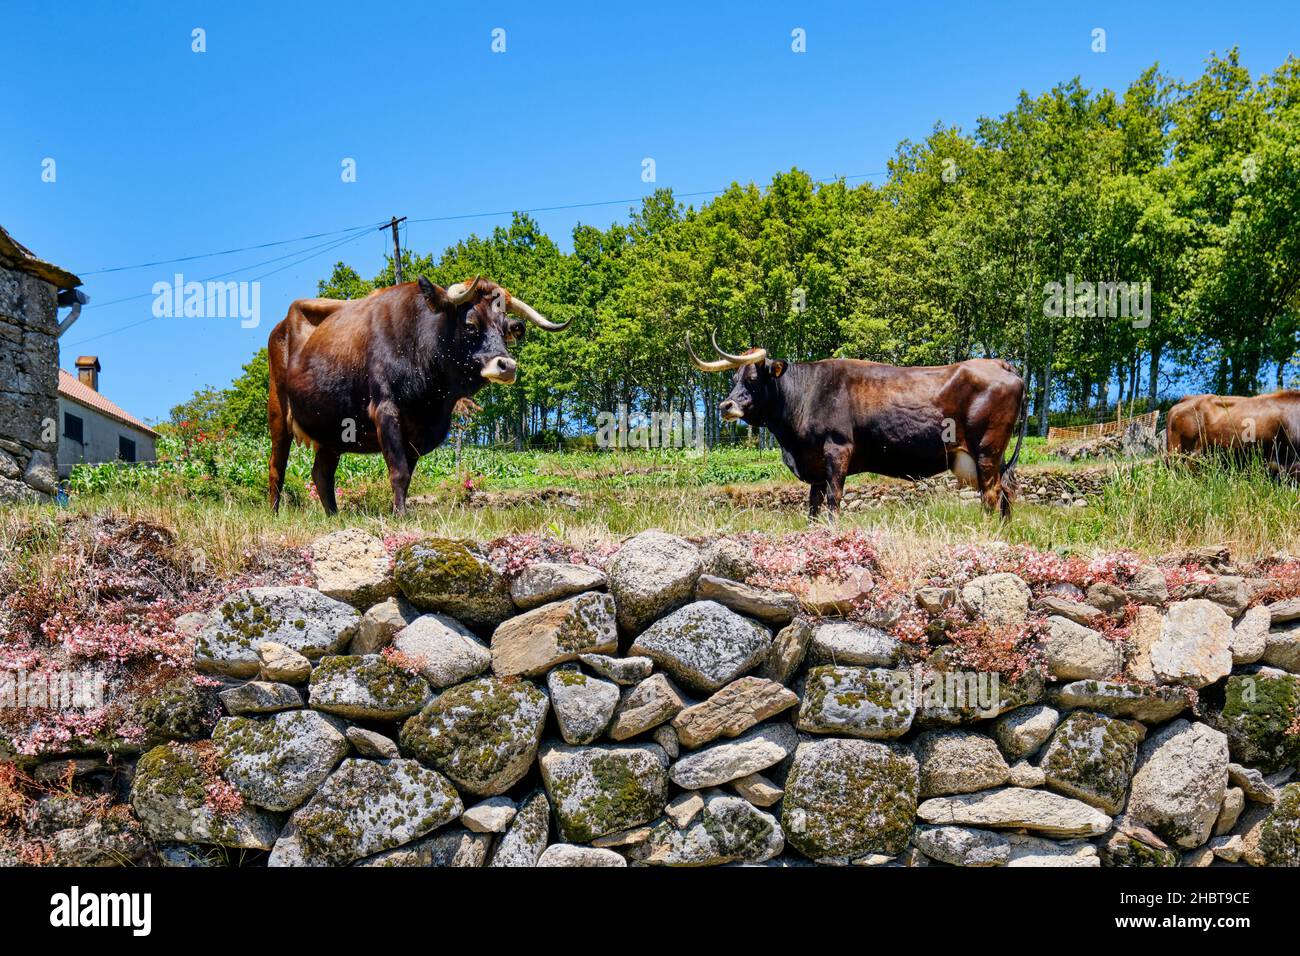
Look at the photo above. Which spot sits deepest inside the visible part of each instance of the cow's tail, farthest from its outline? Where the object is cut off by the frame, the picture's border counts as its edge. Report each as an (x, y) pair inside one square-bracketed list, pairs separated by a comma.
[(1009, 466)]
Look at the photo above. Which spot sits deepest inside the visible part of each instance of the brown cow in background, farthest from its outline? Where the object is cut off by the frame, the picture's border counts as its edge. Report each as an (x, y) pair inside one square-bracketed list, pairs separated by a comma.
[(1241, 427), (840, 417)]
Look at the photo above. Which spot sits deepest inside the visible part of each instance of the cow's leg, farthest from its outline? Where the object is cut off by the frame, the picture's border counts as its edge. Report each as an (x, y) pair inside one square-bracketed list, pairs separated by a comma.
[(277, 417), (322, 473), (816, 495), (281, 444), (837, 469), (401, 463), (993, 497)]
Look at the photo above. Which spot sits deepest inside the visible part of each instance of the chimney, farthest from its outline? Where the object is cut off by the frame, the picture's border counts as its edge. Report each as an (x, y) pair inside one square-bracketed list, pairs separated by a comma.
[(88, 371)]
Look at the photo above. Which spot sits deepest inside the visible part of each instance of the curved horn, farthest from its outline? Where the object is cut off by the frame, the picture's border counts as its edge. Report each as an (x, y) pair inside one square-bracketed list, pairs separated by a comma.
[(460, 292), (721, 365), (751, 357), (525, 311)]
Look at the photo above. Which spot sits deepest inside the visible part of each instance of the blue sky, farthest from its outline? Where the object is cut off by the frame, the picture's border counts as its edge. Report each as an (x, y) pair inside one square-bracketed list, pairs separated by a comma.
[(163, 152)]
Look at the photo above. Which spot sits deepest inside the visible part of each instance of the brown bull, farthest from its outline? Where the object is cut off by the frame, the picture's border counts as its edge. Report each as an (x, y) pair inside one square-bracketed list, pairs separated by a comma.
[(839, 417), (1267, 426), (384, 373)]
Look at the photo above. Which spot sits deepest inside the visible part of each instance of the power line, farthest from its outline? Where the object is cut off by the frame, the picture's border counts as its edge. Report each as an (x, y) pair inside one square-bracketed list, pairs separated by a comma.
[(449, 218), (224, 252), (356, 232), (153, 318), (332, 244)]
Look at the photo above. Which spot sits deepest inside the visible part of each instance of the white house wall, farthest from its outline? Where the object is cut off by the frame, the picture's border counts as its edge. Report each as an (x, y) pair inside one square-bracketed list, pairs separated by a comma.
[(101, 434)]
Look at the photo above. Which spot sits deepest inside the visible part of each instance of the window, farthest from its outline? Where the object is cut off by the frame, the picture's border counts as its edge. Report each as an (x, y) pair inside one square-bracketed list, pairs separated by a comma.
[(125, 448), (72, 427)]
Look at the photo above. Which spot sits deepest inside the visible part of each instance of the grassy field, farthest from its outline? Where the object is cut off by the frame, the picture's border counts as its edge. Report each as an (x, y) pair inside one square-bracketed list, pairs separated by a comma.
[(214, 501), (237, 467)]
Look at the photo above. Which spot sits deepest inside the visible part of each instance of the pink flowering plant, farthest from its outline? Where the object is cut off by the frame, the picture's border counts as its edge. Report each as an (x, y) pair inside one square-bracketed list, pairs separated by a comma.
[(791, 562), (514, 552)]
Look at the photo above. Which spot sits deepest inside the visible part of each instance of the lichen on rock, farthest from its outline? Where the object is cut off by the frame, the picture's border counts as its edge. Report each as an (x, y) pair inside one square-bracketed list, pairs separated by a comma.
[(366, 688), (483, 734), (604, 789), (454, 577), (847, 798)]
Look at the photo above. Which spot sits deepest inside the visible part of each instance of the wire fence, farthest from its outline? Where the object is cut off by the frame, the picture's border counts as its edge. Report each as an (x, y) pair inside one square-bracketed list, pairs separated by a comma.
[(1146, 422)]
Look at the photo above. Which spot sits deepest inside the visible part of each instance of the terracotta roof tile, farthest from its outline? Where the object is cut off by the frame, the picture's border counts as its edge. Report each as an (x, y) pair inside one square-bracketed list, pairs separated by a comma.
[(71, 388)]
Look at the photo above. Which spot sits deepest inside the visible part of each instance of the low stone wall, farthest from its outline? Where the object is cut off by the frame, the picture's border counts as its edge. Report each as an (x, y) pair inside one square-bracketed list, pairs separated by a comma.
[(1072, 488), (430, 703)]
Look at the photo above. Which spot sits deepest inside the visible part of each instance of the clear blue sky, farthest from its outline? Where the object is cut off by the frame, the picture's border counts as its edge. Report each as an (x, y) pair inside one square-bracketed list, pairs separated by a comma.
[(162, 152)]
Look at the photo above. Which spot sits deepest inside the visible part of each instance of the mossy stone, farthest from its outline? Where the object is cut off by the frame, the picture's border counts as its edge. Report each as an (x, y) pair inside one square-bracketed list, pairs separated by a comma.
[(1279, 837), (454, 577), (483, 734), (366, 687), (1258, 711), (1091, 757), (601, 790), (848, 798)]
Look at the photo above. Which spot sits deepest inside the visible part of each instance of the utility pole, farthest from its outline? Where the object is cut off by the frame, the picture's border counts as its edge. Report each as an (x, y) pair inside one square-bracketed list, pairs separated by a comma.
[(397, 247)]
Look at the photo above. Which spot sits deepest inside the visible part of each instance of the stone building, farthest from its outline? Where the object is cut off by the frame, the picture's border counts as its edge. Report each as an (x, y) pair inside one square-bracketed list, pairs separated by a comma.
[(30, 292)]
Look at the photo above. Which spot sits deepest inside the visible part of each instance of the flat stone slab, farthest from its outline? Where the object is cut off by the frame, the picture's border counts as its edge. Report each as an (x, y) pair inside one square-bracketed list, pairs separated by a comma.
[(260, 697), (704, 645), (299, 618), (774, 608), (841, 642), (545, 581), (728, 760), (1147, 703), (532, 643), (732, 710), (1013, 807)]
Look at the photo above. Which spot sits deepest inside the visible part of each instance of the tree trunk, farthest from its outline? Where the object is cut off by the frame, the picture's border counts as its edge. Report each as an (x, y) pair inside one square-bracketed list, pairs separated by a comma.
[(1153, 386)]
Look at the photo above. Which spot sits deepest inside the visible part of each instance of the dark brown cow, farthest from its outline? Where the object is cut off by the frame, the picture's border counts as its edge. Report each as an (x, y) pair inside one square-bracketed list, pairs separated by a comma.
[(1267, 426), (839, 417), (384, 373)]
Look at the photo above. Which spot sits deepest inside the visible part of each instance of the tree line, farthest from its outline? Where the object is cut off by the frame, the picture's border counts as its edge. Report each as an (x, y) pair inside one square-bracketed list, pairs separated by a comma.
[(1027, 238)]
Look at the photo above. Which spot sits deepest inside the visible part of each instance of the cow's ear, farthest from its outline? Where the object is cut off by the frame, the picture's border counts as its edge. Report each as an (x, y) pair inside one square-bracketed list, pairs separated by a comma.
[(777, 367), (431, 292)]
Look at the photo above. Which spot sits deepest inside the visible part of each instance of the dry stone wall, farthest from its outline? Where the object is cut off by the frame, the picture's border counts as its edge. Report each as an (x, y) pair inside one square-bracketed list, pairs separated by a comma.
[(435, 709)]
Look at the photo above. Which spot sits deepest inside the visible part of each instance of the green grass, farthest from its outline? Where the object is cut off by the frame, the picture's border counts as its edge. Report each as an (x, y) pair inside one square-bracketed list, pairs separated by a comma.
[(219, 509), (237, 468)]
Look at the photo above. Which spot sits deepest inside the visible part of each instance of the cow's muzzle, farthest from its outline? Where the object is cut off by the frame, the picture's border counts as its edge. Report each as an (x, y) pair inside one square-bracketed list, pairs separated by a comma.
[(730, 411), (500, 369)]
